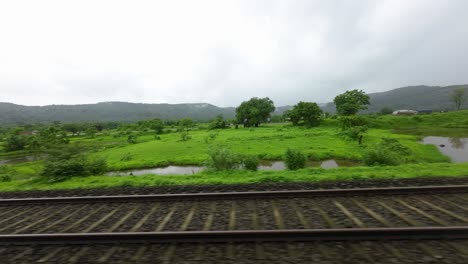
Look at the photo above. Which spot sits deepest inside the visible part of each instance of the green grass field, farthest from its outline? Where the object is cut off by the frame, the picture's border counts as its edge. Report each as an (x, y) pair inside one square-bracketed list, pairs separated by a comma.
[(268, 142)]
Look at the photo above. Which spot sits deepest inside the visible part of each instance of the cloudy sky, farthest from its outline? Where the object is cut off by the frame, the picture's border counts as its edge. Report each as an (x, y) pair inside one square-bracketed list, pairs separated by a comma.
[(224, 52)]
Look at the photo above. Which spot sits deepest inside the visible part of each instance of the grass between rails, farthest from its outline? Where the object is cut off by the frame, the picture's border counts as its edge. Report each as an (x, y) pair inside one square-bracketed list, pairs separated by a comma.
[(243, 177), (266, 143)]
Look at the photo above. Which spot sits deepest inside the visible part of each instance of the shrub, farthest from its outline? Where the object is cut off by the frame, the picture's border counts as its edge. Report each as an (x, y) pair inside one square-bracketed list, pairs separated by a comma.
[(132, 139), (380, 156), (65, 163), (6, 173), (388, 152), (222, 159), (294, 159), (126, 157), (96, 166), (250, 163), (184, 136), (60, 170)]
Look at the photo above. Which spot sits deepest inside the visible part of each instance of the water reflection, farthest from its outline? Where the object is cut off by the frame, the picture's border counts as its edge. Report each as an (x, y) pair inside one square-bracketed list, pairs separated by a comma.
[(458, 143), (169, 170), (451, 147)]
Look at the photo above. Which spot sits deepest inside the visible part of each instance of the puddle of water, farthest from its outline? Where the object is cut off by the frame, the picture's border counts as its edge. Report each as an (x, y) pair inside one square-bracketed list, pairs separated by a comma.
[(326, 164), (265, 165), (169, 170), (17, 160), (272, 165), (455, 148)]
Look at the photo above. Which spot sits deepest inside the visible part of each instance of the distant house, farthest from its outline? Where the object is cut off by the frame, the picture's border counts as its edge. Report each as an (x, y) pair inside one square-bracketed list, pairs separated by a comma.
[(405, 112)]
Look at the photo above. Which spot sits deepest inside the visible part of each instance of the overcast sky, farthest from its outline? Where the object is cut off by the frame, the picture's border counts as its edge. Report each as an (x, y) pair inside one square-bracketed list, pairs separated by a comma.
[(225, 52)]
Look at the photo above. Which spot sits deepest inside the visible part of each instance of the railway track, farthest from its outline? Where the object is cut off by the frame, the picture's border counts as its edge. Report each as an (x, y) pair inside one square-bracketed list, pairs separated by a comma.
[(432, 219)]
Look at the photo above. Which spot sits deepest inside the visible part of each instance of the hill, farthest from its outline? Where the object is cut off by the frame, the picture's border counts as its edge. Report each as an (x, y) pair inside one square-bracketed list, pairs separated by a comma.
[(108, 111), (413, 97), (422, 97)]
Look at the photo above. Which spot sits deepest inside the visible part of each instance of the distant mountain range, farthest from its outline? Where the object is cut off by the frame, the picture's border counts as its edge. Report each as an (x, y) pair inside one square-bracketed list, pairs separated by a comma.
[(422, 97), (412, 97)]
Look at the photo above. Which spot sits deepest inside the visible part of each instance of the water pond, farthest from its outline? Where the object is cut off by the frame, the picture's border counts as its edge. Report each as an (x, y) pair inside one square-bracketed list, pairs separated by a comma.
[(456, 148), (264, 165)]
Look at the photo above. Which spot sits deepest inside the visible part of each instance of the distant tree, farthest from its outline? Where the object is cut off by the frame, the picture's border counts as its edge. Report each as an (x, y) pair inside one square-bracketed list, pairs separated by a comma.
[(386, 111), (218, 123), (255, 111), (186, 123), (308, 112), (458, 97), (350, 102), (157, 125), (15, 142), (132, 139), (53, 135), (91, 131)]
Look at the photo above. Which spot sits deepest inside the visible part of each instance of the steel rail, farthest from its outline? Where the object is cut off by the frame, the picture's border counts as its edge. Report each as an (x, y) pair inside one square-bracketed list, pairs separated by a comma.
[(342, 234), (240, 195)]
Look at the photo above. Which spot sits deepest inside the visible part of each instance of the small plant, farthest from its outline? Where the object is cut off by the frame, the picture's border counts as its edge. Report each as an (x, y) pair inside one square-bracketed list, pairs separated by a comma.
[(6, 173), (96, 166), (388, 152), (126, 157), (157, 137), (250, 163), (376, 155), (184, 136), (294, 159), (132, 139), (222, 159)]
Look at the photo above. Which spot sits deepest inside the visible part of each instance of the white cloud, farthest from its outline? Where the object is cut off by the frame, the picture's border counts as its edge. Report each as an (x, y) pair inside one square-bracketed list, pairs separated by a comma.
[(224, 52)]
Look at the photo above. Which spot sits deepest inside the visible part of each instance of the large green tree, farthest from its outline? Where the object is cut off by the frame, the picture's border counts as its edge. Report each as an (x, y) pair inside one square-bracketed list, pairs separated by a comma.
[(458, 97), (350, 102), (255, 111), (308, 112)]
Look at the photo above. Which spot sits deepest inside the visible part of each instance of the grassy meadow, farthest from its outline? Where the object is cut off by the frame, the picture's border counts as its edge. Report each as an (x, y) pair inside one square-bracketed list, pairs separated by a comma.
[(267, 142)]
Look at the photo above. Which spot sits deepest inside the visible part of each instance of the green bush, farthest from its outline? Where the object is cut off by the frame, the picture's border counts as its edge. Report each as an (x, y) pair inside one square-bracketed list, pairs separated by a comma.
[(222, 159), (6, 173), (60, 170), (380, 156), (96, 166), (294, 159), (388, 152), (65, 163), (250, 163)]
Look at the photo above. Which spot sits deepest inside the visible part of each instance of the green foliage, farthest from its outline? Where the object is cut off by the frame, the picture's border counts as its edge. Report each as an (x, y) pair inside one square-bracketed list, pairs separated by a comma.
[(294, 159), (15, 142), (458, 97), (255, 111), (52, 136), (7, 173), (250, 163), (353, 127), (91, 132), (218, 123), (386, 111), (186, 123), (350, 102), (126, 157), (64, 163), (96, 166), (221, 158), (132, 139), (388, 152), (184, 135), (308, 112), (155, 124)]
